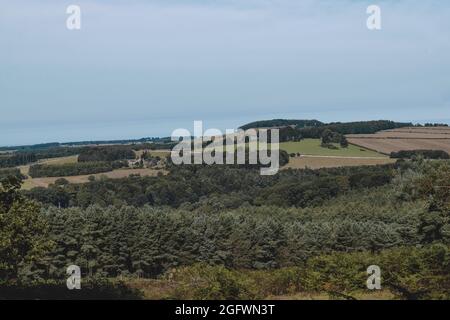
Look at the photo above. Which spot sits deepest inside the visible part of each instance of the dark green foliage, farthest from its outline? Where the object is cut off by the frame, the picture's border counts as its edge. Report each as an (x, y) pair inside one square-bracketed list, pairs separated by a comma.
[(148, 241), (106, 153), (16, 159), (23, 232), (294, 130), (427, 154), (92, 289), (343, 141), (362, 127)]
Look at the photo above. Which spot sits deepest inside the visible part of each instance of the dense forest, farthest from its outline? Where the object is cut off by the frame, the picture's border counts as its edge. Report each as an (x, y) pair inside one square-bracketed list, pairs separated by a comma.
[(242, 221)]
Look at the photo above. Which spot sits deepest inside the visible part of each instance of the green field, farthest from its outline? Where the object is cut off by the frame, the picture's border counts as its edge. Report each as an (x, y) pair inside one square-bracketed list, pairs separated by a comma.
[(312, 147)]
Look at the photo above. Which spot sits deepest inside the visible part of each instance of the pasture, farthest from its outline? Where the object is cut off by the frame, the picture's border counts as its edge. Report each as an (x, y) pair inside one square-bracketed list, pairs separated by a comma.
[(312, 147)]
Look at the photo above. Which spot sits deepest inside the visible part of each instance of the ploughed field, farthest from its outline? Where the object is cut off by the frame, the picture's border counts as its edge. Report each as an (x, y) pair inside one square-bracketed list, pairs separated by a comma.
[(410, 138)]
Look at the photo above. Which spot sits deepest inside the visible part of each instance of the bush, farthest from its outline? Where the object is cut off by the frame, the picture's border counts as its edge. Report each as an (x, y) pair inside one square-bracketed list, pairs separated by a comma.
[(11, 172), (427, 154)]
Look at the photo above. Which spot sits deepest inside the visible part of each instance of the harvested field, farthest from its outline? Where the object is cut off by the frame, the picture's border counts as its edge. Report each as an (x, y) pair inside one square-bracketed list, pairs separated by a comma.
[(317, 162), (435, 138)]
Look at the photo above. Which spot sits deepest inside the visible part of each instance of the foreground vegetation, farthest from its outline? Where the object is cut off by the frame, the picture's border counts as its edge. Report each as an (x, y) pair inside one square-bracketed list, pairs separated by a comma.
[(407, 273), (238, 235), (225, 231)]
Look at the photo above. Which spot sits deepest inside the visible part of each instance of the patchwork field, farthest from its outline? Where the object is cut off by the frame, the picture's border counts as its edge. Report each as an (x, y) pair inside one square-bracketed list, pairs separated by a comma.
[(436, 138), (116, 174), (30, 183)]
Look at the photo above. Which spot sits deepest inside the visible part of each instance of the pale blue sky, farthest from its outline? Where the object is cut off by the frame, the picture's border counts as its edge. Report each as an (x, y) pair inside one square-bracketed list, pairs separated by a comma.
[(144, 68)]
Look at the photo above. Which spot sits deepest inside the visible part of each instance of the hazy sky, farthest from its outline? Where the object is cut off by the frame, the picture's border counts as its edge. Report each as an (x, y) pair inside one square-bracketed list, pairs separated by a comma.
[(144, 68)]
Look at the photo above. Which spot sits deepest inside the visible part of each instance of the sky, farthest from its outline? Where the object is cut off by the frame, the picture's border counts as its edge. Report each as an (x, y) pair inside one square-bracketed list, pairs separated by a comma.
[(141, 68)]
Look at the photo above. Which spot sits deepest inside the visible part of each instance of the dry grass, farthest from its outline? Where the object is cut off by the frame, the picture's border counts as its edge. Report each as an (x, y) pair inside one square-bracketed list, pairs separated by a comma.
[(116, 174), (154, 153), (317, 162), (363, 295), (59, 161), (153, 289), (437, 138)]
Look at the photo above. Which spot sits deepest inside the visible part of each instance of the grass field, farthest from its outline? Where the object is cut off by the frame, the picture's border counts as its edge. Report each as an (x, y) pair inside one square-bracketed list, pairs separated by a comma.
[(312, 147)]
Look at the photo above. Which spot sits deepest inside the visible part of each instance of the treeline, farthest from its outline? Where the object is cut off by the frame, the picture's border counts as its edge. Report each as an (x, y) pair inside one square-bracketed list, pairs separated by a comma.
[(427, 154), (17, 159), (30, 147), (282, 123), (43, 146), (163, 145), (428, 124), (226, 184), (74, 169), (106, 153), (27, 156), (359, 127), (294, 130)]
